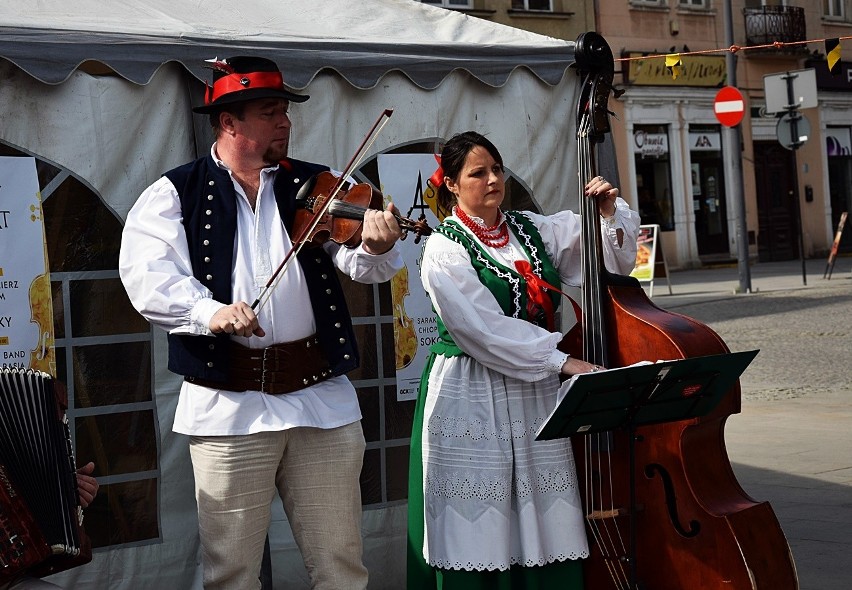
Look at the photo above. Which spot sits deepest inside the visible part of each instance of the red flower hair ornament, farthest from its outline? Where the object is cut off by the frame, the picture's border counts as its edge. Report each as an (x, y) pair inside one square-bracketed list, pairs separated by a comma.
[(437, 179)]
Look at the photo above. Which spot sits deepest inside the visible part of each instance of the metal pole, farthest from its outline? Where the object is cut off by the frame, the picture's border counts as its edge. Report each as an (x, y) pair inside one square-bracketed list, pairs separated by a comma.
[(732, 140), (793, 109)]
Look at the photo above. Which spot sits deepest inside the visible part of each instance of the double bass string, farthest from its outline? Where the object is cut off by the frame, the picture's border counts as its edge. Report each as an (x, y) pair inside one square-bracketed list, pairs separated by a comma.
[(601, 520)]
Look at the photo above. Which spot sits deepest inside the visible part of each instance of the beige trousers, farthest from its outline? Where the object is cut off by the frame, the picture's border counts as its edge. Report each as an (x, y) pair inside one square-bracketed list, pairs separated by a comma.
[(316, 474)]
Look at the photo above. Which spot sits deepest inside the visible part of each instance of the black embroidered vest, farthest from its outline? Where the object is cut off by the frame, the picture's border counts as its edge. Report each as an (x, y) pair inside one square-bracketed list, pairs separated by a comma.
[(209, 207)]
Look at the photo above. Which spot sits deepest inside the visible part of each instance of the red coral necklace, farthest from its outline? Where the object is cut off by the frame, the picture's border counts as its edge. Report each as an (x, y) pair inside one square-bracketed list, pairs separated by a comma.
[(495, 236)]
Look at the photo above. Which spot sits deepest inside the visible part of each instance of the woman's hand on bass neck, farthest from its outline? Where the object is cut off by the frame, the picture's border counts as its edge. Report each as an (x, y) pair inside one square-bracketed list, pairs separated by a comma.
[(605, 193)]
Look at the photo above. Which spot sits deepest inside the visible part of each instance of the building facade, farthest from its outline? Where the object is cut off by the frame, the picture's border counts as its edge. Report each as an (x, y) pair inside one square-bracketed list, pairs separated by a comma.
[(561, 19), (668, 142)]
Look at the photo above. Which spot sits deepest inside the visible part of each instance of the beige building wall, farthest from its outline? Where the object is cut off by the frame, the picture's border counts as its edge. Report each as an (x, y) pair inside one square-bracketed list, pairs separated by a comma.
[(701, 222), (639, 26), (566, 19)]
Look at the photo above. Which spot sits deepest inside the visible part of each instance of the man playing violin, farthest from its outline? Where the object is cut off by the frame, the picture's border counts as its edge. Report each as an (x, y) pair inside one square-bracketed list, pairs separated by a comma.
[(265, 398)]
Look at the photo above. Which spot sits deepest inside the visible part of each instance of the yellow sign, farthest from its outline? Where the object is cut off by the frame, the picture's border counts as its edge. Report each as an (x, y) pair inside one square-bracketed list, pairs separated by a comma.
[(26, 306), (694, 70), (646, 253)]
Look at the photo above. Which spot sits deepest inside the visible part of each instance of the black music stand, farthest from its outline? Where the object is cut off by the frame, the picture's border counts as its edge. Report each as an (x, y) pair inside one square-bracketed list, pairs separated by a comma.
[(629, 397)]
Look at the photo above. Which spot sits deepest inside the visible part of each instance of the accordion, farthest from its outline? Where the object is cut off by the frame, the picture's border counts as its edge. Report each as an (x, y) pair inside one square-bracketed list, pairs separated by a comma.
[(40, 516)]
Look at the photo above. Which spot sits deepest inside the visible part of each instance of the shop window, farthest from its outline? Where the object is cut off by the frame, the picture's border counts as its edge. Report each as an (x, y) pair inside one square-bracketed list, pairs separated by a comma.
[(653, 175), (838, 148), (707, 181), (103, 358)]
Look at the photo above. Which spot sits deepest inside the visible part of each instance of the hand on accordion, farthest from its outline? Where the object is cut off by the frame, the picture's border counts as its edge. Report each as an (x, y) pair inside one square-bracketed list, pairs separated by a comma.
[(87, 486)]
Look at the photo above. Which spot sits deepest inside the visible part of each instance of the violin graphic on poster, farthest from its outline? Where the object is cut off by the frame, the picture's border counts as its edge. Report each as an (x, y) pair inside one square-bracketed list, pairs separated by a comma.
[(26, 322), (404, 334)]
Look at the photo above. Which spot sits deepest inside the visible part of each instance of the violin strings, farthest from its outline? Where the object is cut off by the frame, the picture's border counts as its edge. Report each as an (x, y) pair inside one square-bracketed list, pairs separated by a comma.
[(357, 212)]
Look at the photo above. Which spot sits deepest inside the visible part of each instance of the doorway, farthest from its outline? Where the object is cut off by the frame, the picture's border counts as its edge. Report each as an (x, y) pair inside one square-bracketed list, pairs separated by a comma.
[(776, 209), (709, 204), (840, 193)]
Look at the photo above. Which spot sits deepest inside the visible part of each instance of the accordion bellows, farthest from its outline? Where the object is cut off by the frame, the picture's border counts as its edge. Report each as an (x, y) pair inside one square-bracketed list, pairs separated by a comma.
[(40, 516)]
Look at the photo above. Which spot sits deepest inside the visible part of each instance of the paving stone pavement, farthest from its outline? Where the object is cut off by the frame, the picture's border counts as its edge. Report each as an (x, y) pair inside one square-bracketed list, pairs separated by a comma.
[(792, 443)]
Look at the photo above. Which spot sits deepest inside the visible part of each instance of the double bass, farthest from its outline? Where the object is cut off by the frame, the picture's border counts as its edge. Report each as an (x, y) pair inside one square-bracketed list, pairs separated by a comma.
[(692, 524)]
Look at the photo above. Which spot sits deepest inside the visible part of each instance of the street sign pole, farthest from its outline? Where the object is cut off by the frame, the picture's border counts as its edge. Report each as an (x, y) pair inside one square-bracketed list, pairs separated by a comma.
[(795, 116), (733, 161)]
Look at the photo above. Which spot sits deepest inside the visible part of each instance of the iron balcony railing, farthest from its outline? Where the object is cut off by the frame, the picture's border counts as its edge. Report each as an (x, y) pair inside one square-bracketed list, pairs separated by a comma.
[(769, 24)]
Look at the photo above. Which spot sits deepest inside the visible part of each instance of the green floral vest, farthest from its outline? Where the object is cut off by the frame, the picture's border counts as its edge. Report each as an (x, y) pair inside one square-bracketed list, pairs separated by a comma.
[(507, 285)]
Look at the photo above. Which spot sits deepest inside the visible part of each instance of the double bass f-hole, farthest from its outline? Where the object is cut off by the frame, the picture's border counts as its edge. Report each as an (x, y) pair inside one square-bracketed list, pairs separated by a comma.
[(671, 501)]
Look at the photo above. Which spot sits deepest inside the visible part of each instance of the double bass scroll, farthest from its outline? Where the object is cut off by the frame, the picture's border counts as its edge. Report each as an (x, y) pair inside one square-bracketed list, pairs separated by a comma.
[(695, 528)]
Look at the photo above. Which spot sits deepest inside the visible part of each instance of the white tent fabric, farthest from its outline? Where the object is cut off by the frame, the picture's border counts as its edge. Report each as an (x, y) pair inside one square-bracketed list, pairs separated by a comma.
[(442, 72), (359, 40)]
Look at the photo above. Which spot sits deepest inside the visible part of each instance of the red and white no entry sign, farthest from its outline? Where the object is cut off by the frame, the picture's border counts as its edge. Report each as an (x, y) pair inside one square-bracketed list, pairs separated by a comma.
[(729, 106)]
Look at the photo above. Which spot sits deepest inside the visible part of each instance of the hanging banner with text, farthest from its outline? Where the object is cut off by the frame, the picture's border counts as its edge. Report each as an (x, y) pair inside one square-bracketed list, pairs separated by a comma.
[(26, 310), (403, 181)]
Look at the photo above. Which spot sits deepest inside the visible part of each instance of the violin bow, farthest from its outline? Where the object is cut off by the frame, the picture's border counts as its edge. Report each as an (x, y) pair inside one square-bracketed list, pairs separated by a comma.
[(301, 239)]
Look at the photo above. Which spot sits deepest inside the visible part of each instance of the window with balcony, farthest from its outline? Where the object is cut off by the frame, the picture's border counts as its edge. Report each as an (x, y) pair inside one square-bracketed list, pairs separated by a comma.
[(759, 3), (768, 24)]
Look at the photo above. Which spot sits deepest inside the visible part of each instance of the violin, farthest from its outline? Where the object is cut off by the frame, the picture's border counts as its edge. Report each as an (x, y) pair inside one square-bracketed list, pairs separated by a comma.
[(329, 211), (341, 220)]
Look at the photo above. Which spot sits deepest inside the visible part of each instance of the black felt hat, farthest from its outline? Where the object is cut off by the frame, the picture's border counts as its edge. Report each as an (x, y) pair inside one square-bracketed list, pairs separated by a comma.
[(242, 78)]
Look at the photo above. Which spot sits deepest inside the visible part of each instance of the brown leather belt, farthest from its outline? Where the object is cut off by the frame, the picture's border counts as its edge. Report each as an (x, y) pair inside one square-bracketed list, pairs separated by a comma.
[(281, 368)]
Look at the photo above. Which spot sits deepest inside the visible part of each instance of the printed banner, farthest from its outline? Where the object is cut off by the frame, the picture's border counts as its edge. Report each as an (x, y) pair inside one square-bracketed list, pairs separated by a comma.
[(646, 253), (26, 309), (696, 70), (403, 181)]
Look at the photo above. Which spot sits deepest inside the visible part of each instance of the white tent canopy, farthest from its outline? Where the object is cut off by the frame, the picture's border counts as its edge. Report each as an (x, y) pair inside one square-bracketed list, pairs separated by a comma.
[(360, 41), (441, 71)]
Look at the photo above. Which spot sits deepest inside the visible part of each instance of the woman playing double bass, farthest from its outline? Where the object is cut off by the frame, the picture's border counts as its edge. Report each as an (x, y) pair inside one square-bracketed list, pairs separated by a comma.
[(489, 507)]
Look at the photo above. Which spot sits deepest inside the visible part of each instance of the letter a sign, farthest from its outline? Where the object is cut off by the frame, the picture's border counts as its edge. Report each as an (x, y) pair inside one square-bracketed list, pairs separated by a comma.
[(729, 106)]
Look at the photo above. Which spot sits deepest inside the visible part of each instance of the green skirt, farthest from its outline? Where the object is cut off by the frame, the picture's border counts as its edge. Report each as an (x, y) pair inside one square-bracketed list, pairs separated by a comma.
[(565, 575)]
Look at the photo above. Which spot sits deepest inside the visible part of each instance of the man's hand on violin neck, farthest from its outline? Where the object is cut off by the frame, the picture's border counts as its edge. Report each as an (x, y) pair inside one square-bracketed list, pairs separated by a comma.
[(380, 230)]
